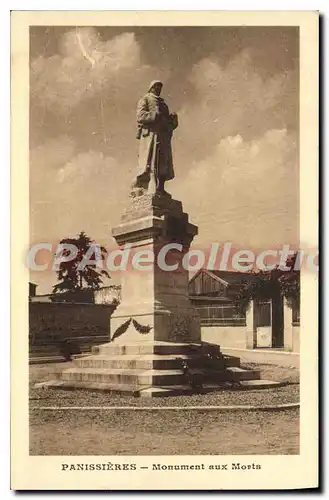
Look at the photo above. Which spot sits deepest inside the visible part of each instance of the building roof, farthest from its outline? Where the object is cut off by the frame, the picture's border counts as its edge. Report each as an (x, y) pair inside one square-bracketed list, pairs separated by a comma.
[(226, 277), (231, 277)]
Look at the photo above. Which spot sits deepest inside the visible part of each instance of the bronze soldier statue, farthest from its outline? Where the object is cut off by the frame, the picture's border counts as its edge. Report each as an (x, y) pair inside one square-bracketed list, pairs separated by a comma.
[(155, 126)]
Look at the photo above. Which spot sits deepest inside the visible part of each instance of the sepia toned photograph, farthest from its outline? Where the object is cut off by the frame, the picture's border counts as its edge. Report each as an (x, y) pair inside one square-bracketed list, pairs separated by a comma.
[(166, 255)]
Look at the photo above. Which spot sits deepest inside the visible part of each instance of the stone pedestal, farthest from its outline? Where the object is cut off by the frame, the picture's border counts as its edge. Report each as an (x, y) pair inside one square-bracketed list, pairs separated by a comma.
[(154, 297)]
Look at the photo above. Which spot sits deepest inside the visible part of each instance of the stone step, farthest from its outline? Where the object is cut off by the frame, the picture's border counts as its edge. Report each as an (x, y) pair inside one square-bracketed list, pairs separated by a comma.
[(111, 348), (141, 362), (150, 392), (231, 374), (153, 370), (239, 374), (128, 390), (156, 392), (179, 390), (259, 384), (130, 377), (231, 360), (153, 376)]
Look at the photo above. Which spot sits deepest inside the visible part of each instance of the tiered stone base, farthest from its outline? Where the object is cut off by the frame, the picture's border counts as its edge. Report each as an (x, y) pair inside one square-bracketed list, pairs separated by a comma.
[(154, 369)]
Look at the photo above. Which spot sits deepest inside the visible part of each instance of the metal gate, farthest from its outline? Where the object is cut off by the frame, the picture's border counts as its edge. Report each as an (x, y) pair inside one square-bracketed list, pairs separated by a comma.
[(263, 323)]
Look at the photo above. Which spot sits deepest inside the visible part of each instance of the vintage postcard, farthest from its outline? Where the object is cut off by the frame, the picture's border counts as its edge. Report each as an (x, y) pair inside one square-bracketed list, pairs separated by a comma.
[(164, 250)]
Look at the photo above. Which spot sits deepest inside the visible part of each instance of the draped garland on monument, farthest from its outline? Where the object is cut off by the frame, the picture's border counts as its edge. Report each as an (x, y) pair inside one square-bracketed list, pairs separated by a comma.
[(143, 329)]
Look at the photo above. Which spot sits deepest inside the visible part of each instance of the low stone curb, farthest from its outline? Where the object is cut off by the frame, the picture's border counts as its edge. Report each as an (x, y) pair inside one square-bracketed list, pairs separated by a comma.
[(285, 406)]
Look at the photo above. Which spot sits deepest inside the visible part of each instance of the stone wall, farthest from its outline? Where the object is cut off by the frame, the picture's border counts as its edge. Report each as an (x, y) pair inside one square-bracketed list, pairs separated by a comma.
[(50, 321), (225, 336)]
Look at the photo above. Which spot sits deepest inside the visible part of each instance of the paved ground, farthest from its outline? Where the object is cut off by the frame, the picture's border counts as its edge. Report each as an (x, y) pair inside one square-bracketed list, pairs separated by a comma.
[(111, 432), (69, 398), (121, 432)]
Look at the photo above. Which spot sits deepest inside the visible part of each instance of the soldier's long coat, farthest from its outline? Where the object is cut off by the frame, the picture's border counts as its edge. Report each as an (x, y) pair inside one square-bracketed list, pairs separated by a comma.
[(155, 128)]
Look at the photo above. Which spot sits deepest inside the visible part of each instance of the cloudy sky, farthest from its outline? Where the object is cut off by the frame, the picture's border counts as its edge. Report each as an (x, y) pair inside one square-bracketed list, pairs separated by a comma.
[(235, 90)]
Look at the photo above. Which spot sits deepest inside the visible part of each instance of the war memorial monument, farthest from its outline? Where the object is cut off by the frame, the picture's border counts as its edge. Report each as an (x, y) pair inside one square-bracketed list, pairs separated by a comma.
[(155, 346)]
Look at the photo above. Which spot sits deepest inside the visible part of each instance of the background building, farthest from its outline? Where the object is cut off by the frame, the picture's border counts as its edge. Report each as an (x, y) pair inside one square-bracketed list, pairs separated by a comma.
[(266, 323)]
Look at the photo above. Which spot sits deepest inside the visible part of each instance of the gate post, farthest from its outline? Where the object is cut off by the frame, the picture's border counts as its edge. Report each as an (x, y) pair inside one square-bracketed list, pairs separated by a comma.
[(250, 326), (287, 319)]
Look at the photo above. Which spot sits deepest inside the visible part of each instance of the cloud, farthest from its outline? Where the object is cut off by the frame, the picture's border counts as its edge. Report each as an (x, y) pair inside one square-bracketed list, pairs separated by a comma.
[(86, 166), (247, 191), (72, 190), (89, 90), (235, 151), (45, 160), (84, 67), (235, 99), (52, 153)]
